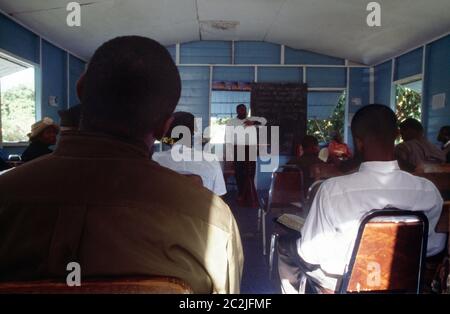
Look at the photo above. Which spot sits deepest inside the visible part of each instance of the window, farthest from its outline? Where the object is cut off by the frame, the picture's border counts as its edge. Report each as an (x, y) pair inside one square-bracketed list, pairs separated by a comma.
[(326, 113), (223, 107), (408, 100), (17, 100)]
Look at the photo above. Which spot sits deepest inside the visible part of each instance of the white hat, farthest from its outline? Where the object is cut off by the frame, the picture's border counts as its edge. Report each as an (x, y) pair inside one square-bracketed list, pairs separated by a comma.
[(40, 126)]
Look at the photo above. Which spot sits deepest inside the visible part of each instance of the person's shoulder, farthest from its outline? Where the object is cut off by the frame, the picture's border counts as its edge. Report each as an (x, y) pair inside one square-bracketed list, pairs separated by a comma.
[(421, 183), (342, 183)]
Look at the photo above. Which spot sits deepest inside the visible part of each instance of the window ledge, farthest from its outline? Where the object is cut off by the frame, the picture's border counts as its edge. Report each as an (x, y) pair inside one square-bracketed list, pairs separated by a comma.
[(17, 144)]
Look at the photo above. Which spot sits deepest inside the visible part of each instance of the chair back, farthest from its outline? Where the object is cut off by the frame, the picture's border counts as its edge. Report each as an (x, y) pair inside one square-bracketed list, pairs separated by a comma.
[(389, 253), (286, 186), (323, 171), (433, 167), (137, 285), (440, 179), (312, 191)]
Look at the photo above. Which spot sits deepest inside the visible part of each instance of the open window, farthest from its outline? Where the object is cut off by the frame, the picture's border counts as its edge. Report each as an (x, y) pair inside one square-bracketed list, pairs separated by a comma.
[(408, 98), (326, 113), (17, 99), (223, 108)]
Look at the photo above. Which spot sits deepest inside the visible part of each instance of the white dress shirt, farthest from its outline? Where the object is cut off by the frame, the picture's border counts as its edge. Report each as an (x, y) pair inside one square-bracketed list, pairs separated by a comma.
[(250, 139), (330, 230), (208, 168)]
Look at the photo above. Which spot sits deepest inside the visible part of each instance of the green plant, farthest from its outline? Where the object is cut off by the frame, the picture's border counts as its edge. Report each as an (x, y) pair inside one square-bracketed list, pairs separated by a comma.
[(408, 103), (17, 113), (322, 129)]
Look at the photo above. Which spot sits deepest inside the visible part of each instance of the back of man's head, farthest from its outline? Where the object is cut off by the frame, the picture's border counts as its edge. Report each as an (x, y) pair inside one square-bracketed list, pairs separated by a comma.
[(411, 129), (130, 88), (411, 124), (70, 118), (375, 125), (182, 118), (444, 134), (310, 144)]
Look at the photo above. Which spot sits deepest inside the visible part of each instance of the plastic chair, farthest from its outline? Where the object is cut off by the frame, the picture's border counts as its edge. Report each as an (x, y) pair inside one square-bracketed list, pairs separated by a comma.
[(389, 253)]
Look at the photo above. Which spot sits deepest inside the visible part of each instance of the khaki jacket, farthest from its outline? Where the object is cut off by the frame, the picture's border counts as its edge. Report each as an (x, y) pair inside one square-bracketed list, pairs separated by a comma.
[(102, 203)]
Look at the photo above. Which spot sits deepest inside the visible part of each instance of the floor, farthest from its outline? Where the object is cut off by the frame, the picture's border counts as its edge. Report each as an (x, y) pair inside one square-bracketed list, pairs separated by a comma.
[(255, 278)]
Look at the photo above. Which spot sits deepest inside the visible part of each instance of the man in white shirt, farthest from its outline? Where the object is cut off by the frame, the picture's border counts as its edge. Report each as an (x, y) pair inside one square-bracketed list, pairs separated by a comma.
[(330, 230), (241, 135), (197, 162)]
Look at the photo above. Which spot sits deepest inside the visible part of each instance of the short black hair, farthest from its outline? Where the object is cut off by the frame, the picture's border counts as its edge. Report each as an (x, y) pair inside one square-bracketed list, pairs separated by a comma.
[(445, 130), (182, 118), (411, 124), (375, 122), (241, 105), (309, 141), (130, 87)]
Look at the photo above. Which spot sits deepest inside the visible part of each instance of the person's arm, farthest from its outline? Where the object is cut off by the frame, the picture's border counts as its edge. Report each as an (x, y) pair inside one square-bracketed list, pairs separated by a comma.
[(235, 256), (219, 186), (258, 120), (318, 228)]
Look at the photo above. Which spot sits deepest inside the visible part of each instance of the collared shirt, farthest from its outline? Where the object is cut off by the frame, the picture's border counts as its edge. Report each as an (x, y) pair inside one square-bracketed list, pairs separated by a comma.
[(331, 227), (243, 139), (208, 168), (417, 151), (103, 203)]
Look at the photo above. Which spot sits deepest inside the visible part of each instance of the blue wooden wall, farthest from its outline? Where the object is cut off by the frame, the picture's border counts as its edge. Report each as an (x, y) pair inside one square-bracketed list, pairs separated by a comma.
[(436, 80), (52, 78)]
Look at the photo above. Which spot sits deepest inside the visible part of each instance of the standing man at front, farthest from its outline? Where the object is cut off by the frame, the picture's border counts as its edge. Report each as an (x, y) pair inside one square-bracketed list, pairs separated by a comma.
[(243, 138)]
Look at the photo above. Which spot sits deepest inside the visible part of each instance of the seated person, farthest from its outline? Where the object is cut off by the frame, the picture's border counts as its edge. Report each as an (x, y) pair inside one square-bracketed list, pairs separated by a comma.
[(444, 138), (100, 201), (43, 135), (310, 156), (207, 166), (330, 230), (415, 149), (337, 149)]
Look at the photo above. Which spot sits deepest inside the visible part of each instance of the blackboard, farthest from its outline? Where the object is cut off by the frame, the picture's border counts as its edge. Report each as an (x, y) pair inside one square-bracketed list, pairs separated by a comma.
[(283, 105)]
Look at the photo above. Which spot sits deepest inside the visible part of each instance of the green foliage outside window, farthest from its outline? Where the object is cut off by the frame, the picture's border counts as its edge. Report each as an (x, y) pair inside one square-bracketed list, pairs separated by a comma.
[(17, 113), (408, 102), (323, 129)]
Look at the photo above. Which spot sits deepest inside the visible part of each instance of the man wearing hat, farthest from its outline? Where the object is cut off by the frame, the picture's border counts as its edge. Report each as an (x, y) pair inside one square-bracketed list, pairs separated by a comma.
[(43, 134)]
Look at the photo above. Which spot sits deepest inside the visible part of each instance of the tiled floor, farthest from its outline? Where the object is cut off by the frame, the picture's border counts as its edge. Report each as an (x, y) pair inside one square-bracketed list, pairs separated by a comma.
[(255, 279)]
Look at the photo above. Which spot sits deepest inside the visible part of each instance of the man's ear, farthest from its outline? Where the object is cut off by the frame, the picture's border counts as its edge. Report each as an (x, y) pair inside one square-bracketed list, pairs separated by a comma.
[(359, 144), (162, 129), (80, 86)]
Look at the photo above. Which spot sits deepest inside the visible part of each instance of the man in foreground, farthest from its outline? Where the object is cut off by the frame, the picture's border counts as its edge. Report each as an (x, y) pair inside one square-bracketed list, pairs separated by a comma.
[(99, 201), (330, 230)]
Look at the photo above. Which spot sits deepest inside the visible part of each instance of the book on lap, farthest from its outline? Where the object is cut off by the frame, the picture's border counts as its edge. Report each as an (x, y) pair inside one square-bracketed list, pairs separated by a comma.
[(291, 221)]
